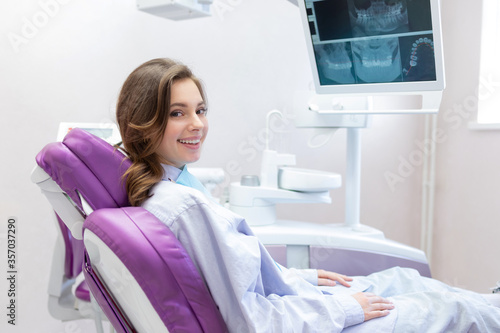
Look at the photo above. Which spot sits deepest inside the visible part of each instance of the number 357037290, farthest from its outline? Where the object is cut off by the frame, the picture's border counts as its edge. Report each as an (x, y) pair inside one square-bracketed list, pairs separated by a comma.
[(11, 243)]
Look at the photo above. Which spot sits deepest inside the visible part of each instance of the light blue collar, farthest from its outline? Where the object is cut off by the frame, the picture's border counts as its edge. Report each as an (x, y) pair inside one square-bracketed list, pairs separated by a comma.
[(170, 173), (183, 177)]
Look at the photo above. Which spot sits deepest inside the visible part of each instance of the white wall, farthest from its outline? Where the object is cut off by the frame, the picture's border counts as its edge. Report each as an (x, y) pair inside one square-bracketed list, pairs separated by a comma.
[(252, 59), (468, 184)]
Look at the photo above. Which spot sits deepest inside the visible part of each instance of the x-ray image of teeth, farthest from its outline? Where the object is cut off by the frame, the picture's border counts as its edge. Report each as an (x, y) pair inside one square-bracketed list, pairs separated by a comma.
[(335, 62), (419, 54), (372, 41), (377, 59), (377, 17)]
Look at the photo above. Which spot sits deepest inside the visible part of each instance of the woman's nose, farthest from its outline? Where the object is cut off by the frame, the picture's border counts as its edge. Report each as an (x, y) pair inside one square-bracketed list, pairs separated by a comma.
[(196, 123)]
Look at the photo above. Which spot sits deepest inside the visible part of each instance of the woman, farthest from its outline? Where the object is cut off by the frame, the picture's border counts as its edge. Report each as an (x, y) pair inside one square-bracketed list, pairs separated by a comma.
[(162, 113)]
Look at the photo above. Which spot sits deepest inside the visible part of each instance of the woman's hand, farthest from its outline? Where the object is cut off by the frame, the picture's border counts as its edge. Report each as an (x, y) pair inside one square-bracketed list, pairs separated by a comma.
[(326, 278), (373, 306)]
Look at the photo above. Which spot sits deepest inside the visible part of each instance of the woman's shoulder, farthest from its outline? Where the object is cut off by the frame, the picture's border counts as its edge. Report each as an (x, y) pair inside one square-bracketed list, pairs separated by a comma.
[(173, 192), (169, 199)]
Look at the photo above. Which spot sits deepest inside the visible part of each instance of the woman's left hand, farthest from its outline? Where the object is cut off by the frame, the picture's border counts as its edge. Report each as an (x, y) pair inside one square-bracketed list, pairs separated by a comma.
[(326, 278)]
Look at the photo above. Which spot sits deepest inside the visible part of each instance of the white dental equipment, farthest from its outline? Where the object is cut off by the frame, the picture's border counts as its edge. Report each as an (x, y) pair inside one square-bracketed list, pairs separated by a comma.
[(279, 183), (176, 9), (385, 59), (351, 247)]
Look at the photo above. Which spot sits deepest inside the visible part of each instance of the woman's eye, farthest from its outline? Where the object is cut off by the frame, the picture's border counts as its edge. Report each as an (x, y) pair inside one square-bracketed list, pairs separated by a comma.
[(175, 114), (202, 111)]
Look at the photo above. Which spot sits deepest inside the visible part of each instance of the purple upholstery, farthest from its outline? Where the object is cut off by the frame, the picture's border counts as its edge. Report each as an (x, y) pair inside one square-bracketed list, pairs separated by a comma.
[(103, 297), (160, 265), (86, 165), (73, 257), (82, 291)]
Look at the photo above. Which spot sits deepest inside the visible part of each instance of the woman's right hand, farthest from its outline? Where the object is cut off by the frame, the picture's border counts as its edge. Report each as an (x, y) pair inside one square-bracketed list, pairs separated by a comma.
[(373, 306)]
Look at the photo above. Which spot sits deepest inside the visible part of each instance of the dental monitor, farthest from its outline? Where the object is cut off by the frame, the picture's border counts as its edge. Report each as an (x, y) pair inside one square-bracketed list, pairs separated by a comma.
[(375, 48)]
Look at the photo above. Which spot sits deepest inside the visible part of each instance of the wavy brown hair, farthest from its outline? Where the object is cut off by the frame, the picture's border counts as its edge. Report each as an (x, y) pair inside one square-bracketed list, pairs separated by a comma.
[(142, 113)]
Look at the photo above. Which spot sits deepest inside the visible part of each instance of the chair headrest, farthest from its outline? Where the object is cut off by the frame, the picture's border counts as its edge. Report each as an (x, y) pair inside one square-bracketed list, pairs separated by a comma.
[(86, 164)]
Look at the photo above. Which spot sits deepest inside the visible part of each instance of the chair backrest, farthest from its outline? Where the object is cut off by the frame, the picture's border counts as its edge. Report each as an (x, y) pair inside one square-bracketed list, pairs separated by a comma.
[(87, 166), (71, 165), (89, 171), (155, 282)]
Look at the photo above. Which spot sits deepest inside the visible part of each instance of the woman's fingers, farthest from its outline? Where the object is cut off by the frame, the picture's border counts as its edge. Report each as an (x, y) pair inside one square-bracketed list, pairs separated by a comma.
[(327, 278), (373, 306)]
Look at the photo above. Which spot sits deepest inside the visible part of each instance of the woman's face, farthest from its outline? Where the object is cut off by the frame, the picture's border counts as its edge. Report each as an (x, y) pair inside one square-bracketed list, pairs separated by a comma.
[(187, 125)]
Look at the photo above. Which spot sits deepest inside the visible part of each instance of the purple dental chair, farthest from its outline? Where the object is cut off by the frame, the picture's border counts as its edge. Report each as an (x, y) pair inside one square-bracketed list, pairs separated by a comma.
[(135, 268)]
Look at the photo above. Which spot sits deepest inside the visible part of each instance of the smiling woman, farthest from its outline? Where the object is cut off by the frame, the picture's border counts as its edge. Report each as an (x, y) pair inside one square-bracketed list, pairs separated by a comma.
[(162, 117), (187, 125), (161, 114)]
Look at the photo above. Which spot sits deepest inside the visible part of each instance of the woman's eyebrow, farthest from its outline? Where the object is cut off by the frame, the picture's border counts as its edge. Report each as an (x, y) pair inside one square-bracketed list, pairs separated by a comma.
[(178, 104), (183, 105)]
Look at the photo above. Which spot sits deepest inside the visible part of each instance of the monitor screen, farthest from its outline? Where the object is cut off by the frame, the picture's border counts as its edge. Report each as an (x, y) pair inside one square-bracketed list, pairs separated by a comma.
[(374, 46)]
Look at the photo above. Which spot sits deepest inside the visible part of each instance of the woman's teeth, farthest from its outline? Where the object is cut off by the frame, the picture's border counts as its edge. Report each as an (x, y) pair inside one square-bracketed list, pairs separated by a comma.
[(193, 142)]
